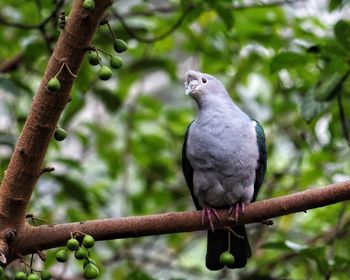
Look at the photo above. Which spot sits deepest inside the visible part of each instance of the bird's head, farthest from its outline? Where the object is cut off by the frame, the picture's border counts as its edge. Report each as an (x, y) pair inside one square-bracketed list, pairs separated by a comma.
[(202, 86)]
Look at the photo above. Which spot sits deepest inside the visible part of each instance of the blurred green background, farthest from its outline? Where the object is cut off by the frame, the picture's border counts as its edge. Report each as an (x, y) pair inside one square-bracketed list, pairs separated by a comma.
[(285, 63)]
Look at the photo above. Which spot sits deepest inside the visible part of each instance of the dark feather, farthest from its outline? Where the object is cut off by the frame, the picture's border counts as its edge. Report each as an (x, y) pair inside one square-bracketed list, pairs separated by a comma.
[(217, 242), (262, 162)]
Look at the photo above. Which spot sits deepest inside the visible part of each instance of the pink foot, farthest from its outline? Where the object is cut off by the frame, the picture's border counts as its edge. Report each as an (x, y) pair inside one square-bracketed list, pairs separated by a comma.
[(238, 209), (206, 213)]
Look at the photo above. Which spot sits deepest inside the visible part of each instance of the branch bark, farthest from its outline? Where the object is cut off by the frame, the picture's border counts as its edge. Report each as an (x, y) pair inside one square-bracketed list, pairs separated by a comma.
[(26, 162), (50, 236)]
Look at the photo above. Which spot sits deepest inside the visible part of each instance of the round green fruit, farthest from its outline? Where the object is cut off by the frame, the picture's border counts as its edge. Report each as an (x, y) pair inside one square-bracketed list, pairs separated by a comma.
[(45, 275), (72, 244), (105, 73), (33, 276), (20, 276), (227, 258), (89, 260), (60, 134), (93, 58), (80, 254), (120, 45), (61, 256), (53, 84), (91, 271), (88, 241), (116, 62), (89, 5)]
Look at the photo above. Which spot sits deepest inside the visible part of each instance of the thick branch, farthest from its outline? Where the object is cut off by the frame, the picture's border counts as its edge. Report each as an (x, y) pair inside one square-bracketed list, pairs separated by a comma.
[(45, 237), (26, 162)]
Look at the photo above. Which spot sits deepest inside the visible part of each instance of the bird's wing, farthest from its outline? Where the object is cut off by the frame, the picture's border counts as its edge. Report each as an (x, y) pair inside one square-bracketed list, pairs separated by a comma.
[(187, 168), (262, 161)]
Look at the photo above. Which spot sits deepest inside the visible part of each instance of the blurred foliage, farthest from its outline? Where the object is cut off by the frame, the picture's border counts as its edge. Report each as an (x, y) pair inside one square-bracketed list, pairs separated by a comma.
[(285, 65)]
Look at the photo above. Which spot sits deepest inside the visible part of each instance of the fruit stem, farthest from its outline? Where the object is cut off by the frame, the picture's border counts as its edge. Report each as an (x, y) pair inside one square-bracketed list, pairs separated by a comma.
[(110, 30), (69, 71), (229, 240), (59, 71), (106, 53)]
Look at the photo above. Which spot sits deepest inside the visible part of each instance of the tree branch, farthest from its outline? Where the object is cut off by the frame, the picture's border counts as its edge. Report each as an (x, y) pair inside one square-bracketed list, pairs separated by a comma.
[(25, 166), (50, 236)]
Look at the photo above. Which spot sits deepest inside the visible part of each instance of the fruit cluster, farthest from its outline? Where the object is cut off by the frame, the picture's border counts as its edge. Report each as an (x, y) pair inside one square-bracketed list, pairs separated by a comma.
[(81, 252), (116, 62), (42, 275)]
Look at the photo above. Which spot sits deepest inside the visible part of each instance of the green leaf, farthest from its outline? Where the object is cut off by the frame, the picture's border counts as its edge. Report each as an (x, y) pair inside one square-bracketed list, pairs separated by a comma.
[(9, 86), (224, 13), (73, 107), (334, 4), (286, 60), (331, 86), (342, 33), (109, 98), (279, 245), (149, 63), (311, 108), (75, 189), (33, 52)]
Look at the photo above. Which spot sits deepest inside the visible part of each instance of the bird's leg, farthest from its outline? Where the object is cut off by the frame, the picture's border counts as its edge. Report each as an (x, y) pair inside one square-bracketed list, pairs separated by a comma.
[(207, 212), (238, 209)]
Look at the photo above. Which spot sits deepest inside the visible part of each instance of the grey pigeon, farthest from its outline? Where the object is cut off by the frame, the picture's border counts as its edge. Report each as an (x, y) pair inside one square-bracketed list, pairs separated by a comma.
[(224, 163)]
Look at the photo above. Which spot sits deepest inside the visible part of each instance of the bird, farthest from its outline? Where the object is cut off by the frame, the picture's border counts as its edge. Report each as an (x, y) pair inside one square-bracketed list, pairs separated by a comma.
[(224, 162)]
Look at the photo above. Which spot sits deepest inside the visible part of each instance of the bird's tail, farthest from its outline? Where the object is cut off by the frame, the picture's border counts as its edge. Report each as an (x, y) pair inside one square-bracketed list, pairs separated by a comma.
[(218, 243)]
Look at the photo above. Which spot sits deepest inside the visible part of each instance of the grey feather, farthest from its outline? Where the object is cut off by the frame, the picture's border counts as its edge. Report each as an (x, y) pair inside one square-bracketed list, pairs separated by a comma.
[(221, 155)]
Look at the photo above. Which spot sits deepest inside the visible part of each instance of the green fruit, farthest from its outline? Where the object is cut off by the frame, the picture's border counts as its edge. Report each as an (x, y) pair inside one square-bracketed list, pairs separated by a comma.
[(60, 134), (33, 276), (91, 271), (72, 244), (45, 275), (61, 256), (88, 241), (53, 84), (120, 45), (116, 62), (93, 58), (89, 5), (105, 73), (20, 276), (80, 254), (87, 261), (227, 258)]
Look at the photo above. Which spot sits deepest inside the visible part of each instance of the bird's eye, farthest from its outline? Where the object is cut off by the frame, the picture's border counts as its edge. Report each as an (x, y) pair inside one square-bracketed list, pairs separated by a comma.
[(204, 80)]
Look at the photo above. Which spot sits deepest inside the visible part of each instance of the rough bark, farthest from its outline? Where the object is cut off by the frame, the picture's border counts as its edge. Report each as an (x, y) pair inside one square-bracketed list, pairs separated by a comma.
[(26, 162), (50, 236)]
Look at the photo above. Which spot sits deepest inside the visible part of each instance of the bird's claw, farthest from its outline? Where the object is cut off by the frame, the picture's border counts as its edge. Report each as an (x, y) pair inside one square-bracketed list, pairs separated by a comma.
[(207, 212), (238, 209)]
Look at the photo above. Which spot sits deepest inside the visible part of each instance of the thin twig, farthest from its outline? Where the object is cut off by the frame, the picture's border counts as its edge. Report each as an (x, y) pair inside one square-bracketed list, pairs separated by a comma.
[(343, 118), (133, 34)]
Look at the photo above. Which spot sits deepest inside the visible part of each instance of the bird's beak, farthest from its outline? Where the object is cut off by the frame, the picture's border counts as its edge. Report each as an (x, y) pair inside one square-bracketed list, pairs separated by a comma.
[(191, 82)]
